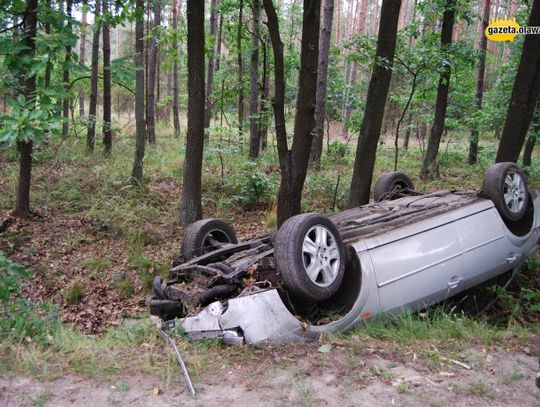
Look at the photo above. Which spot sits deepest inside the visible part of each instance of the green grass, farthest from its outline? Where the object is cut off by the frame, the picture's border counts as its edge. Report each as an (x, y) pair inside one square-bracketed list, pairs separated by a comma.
[(136, 349), (74, 293), (438, 325)]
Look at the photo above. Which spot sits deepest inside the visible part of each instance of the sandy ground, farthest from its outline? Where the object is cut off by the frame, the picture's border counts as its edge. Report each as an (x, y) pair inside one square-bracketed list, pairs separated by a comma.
[(337, 378)]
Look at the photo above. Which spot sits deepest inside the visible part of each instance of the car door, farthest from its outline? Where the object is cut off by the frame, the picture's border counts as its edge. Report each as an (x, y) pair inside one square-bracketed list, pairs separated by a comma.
[(421, 268), (486, 250)]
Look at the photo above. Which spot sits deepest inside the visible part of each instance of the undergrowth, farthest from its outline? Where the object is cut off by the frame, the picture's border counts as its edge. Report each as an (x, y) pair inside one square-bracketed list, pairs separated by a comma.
[(71, 184)]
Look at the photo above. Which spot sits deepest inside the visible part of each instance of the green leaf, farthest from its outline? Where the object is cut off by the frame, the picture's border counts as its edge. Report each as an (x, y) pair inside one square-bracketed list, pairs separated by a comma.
[(325, 348)]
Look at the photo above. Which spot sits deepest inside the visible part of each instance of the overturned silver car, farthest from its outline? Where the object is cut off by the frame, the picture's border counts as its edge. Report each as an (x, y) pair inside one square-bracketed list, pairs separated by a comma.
[(321, 274)]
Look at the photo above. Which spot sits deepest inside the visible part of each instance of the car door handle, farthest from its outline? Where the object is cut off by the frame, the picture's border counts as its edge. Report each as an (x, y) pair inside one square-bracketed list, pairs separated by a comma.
[(512, 258), (454, 282)]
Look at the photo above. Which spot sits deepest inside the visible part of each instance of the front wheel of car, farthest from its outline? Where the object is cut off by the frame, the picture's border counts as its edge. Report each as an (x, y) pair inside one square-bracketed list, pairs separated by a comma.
[(310, 256), (205, 236), (505, 185), (391, 185)]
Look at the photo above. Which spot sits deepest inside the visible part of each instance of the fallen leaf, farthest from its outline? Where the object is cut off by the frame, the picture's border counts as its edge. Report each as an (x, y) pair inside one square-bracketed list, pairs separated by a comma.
[(325, 348)]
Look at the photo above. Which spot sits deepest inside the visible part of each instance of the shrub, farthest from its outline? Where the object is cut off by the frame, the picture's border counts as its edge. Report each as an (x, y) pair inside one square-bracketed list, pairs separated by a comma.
[(10, 278), (337, 150), (255, 188), (20, 320)]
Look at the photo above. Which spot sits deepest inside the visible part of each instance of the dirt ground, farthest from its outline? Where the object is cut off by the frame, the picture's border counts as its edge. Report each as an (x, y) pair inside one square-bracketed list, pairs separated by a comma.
[(306, 377)]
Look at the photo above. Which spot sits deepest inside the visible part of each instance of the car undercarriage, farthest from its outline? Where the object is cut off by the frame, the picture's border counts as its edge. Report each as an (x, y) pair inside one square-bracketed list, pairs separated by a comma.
[(244, 292)]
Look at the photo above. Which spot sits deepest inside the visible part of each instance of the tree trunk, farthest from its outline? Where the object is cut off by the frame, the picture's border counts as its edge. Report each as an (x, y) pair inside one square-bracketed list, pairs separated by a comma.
[(338, 25), (534, 135), (293, 178), (67, 61), (211, 64), (107, 95), (263, 124), (176, 108), (322, 73), (254, 119), (403, 14), (379, 84), (352, 74), (407, 131), (240, 69), (430, 167), (278, 103), (28, 85), (140, 140), (218, 60), (92, 109), (529, 147), (48, 68), (151, 84), (219, 42), (82, 54), (525, 93), (158, 83), (191, 206), (480, 71)]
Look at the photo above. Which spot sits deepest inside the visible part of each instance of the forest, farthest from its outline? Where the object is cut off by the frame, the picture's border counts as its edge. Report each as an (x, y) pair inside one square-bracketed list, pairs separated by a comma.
[(124, 122)]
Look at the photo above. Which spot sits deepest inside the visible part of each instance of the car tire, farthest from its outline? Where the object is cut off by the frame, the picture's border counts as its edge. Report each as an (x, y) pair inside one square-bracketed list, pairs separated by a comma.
[(505, 185), (205, 236), (389, 183), (310, 256)]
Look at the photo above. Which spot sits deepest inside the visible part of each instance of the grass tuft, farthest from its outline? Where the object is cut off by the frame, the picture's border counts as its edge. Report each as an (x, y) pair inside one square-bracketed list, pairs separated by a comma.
[(74, 293)]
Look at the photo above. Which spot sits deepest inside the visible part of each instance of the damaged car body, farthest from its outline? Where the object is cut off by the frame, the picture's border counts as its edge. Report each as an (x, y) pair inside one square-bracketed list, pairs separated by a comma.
[(319, 274)]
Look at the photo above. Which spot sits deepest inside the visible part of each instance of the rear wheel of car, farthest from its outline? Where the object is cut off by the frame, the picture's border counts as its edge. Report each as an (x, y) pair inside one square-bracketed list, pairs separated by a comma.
[(391, 185), (505, 185), (205, 236), (310, 256)]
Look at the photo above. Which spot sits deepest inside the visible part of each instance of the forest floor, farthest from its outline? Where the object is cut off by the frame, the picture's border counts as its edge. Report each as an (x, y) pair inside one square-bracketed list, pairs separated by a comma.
[(95, 243), (368, 374)]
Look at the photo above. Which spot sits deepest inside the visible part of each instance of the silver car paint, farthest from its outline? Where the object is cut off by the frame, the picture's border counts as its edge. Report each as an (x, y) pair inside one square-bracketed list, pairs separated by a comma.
[(410, 267)]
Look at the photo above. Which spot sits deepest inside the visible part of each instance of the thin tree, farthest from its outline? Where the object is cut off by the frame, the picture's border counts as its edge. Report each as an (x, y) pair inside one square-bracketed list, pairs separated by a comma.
[(107, 95), (358, 24), (48, 68), (191, 206), (176, 104), (151, 78), (92, 108), (481, 47), (240, 71), (379, 84), (524, 94), (140, 142), (254, 119), (218, 61), (322, 74), (294, 162), (211, 63), (263, 123), (82, 54), (278, 102), (430, 167), (66, 101), (27, 82)]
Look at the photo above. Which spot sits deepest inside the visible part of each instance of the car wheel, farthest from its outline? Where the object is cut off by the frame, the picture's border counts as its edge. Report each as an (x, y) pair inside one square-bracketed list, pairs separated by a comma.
[(310, 256), (505, 185), (390, 184), (205, 236)]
